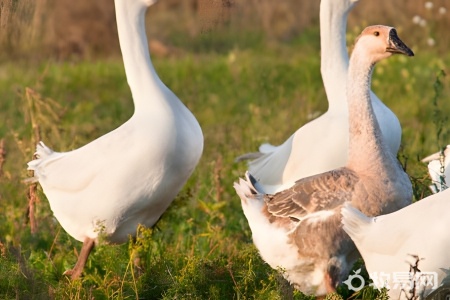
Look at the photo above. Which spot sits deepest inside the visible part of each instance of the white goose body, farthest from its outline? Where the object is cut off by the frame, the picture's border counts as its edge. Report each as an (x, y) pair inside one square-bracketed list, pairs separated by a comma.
[(439, 169), (322, 144), (130, 175), (298, 229), (389, 245)]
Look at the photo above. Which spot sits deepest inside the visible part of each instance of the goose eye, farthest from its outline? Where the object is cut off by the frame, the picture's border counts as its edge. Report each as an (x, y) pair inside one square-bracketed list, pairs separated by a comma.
[(376, 33)]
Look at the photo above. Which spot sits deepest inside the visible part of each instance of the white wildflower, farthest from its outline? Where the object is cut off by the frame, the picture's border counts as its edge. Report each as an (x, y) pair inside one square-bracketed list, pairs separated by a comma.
[(416, 19), (423, 23), (428, 5), (442, 10), (431, 42)]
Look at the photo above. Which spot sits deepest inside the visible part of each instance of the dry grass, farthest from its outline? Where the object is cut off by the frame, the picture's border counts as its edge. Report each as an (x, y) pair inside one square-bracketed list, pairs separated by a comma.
[(65, 28), (16, 23)]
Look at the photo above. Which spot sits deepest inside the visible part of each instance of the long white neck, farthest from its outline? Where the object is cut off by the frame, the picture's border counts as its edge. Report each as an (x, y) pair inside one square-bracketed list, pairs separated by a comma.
[(334, 56), (366, 144), (141, 75)]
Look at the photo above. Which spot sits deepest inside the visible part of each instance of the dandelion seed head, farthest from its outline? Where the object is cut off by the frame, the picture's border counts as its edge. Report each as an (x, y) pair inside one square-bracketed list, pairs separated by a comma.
[(431, 42), (429, 5), (442, 10)]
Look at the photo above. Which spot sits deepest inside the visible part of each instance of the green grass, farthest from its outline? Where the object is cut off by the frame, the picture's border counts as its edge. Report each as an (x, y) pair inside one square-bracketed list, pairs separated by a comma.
[(202, 247)]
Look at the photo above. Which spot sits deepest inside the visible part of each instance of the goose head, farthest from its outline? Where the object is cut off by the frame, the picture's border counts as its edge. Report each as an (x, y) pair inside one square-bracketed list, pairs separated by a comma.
[(381, 42)]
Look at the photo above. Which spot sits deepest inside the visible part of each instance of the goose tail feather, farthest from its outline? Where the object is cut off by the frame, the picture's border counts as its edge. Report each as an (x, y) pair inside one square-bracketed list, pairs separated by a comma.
[(42, 152), (248, 188), (248, 156), (354, 222), (267, 148)]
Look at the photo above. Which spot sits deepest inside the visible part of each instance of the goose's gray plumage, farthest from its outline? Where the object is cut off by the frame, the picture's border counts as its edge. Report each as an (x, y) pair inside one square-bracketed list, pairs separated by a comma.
[(298, 229)]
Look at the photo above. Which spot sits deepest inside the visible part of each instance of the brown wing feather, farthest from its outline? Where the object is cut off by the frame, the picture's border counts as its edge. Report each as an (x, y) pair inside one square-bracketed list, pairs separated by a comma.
[(314, 193)]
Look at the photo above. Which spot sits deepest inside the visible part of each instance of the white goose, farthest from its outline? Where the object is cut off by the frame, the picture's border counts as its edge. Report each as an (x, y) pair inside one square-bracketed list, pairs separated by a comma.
[(391, 243), (439, 169), (130, 175), (298, 229), (321, 145)]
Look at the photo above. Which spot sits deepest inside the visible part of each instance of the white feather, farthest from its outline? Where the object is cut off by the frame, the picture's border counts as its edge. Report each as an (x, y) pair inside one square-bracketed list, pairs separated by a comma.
[(388, 243), (439, 169)]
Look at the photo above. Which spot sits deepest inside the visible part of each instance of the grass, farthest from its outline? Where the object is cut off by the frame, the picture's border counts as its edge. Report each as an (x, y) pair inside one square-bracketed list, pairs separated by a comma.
[(202, 247)]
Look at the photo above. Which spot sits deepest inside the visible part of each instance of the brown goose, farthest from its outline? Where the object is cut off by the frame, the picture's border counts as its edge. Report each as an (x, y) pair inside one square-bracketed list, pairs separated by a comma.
[(298, 229)]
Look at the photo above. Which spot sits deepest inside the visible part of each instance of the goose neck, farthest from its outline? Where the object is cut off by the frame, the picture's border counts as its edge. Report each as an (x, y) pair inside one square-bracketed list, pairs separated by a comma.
[(366, 145), (334, 56), (141, 75)]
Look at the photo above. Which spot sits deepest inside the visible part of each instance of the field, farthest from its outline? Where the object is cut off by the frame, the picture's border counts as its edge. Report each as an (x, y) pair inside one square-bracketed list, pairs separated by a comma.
[(245, 88)]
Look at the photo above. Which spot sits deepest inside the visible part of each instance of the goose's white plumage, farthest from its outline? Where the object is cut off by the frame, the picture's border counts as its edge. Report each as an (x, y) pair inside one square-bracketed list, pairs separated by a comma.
[(321, 145), (390, 243), (439, 169), (130, 175), (298, 229)]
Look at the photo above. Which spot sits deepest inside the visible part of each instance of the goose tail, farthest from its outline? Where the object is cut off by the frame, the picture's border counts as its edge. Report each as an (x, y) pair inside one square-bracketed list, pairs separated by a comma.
[(42, 152), (354, 222), (267, 148), (264, 149), (248, 188), (248, 156)]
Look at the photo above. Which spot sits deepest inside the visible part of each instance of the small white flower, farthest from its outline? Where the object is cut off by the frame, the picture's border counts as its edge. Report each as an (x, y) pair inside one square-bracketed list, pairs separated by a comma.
[(431, 42), (423, 23), (428, 5), (416, 19), (442, 10)]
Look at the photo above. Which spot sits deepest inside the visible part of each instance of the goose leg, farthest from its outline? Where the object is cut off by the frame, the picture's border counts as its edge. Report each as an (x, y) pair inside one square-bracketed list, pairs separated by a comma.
[(330, 283), (86, 249)]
